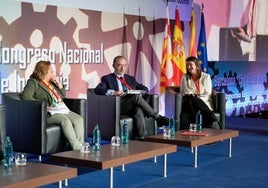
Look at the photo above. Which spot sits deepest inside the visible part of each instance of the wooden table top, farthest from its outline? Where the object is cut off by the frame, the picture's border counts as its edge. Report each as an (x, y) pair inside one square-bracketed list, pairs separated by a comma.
[(34, 175), (112, 156), (179, 139)]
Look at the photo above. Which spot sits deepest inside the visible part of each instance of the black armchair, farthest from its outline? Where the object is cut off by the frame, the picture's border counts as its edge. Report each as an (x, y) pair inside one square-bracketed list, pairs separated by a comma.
[(28, 129), (105, 111), (174, 102)]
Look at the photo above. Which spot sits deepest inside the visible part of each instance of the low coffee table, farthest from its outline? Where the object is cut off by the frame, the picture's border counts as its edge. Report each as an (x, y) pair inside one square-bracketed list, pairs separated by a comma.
[(34, 175), (111, 156), (212, 135)]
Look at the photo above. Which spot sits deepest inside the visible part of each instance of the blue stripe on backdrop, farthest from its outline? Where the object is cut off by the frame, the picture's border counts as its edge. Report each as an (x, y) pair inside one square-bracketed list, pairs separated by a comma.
[(248, 166)]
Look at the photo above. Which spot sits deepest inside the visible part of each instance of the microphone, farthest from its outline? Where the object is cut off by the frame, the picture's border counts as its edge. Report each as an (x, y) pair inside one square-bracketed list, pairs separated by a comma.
[(55, 83)]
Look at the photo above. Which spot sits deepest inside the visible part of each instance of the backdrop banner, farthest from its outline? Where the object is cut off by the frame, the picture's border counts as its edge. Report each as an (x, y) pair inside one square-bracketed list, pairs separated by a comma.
[(81, 45), (245, 85)]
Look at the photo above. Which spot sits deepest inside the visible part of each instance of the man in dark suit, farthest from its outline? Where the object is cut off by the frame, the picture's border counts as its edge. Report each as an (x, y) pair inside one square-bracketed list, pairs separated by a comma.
[(117, 83)]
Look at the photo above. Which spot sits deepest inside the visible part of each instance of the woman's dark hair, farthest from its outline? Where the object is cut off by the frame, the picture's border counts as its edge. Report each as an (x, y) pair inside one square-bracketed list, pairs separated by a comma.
[(198, 66), (41, 69)]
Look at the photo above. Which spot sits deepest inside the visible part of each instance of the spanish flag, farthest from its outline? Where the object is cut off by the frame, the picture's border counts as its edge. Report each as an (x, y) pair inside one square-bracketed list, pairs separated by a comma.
[(166, 63), (178, 52)]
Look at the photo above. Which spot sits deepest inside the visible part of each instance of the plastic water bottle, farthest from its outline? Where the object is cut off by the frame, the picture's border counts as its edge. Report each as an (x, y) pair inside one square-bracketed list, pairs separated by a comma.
[(172, 125), (96, 138), (198, 121), (8, 153), (124, 133), (1, 155)]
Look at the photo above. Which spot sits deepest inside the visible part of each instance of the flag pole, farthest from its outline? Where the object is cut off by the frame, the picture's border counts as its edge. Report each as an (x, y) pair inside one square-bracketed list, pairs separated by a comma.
[(166, 1)]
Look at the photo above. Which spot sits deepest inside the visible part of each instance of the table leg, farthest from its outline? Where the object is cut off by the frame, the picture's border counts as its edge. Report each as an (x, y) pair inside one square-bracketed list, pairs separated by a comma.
[(60, 184), (66, 182), (230, 147), (111, 177), (195, 156), (165, 166), (155, 159)]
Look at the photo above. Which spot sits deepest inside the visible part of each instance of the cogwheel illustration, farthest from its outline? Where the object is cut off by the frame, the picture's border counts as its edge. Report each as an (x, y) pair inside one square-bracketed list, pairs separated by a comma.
[(141, 45), (50, 28)]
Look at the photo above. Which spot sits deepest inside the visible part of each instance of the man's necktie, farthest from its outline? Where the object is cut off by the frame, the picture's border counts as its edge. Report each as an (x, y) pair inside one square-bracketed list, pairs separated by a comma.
[(123, 82)]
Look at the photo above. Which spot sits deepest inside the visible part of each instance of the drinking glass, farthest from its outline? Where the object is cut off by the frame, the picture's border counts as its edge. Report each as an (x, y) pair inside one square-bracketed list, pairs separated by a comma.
[(193, 127), (115, 141), (20, 159), (85, 148), (167, 132)]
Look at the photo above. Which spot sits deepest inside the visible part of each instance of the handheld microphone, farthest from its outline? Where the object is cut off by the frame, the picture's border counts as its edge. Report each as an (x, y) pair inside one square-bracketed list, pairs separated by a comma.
[(56, 83)]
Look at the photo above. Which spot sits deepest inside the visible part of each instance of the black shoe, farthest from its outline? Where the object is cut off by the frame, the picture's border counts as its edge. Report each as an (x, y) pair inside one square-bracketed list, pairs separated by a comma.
[(162, 120)]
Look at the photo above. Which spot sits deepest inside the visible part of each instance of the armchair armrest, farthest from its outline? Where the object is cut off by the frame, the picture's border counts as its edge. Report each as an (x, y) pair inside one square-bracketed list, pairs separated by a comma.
[(76, 105), (172, 96), (219, 105), (151, 126), (103, 110), (178, 109), (153, 100), (25, 123)]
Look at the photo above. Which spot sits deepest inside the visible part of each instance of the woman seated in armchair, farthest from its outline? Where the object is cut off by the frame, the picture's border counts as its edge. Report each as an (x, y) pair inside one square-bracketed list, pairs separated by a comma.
[(43, 85), (196, 87)]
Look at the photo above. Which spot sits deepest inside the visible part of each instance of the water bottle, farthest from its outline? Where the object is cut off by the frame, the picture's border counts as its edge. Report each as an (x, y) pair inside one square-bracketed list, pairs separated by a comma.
[(96, 138), (1, 151), (8, 153), (124, 133), (1, 155), (198, 121), (172, 125)]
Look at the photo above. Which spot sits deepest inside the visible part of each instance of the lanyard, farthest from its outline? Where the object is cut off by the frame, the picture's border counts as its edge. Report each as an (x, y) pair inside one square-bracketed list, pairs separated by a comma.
[(53, 91), (124, 82), (197, 85)]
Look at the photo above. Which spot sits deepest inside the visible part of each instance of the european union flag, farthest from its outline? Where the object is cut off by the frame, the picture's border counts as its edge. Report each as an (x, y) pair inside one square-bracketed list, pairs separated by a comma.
[(202, 45)]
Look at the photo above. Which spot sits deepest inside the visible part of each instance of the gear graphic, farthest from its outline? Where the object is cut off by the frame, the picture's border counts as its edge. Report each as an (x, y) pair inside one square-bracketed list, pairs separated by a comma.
[(50, 26)]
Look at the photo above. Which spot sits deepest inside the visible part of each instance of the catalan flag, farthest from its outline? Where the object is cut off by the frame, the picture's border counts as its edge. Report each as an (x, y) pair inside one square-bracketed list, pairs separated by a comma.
[(178, 52), (202, 45), (192, 46), (166, 63)]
